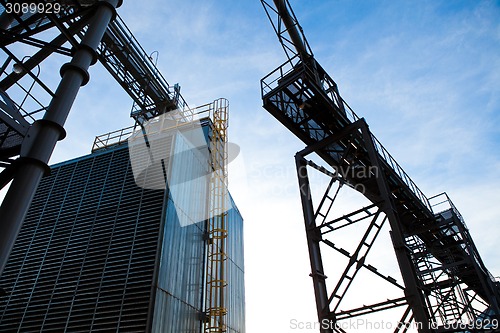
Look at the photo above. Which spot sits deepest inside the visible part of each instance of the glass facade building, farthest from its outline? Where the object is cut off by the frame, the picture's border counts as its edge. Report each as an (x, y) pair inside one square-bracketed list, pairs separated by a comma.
[(98, 253)]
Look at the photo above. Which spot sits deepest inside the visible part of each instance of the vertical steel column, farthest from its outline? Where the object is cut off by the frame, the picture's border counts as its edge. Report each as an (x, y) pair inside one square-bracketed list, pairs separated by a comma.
[(294, 33), (43, 135), (413, 294), (5, 20), (313, 239)]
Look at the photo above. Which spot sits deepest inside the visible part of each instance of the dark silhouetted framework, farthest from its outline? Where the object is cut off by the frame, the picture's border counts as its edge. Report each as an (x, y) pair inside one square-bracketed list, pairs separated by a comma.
[(444, 278)]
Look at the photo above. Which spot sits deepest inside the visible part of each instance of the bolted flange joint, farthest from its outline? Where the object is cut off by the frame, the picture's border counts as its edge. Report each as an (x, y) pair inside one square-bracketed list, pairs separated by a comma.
[(70, 66)]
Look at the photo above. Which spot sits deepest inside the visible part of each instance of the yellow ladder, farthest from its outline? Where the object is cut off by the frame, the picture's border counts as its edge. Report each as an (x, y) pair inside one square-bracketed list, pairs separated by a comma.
[(215, 309)]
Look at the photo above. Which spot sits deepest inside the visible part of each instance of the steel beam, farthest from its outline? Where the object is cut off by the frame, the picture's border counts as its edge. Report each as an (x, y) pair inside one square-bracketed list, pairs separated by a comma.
[(413, 294), (44, 134), (412, 291), (313, 240), (302, 96), (291, 25), (5, 20), (40, 56)]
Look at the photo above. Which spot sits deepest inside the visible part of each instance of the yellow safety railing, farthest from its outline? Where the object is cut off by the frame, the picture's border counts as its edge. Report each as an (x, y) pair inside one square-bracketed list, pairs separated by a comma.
[(215, 309)]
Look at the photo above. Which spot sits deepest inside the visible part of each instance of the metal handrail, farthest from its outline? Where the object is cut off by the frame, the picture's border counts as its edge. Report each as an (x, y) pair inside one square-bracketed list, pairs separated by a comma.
[(122, 135), (453, 208), (450, 204), (112, 138), (145, 83), (270, 82), (391, 161)]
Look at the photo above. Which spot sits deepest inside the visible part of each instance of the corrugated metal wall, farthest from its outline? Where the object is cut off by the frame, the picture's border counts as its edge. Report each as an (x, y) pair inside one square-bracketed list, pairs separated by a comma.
[(235, 295), (179, 296), (180, 277), (179, 284), (84, 260)]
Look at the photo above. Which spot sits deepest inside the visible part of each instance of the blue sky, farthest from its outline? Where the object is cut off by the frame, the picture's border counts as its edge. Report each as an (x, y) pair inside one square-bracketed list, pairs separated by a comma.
[(425, 75)]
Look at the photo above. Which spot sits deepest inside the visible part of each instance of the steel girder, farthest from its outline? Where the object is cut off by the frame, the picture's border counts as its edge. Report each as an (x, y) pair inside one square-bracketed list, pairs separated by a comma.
[(23, 132), (433, 295), (304, 98), (318, 228), (28, 39)]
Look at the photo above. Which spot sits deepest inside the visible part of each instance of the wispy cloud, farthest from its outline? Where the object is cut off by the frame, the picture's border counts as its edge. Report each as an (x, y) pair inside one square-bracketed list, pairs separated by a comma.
[(425, 75)]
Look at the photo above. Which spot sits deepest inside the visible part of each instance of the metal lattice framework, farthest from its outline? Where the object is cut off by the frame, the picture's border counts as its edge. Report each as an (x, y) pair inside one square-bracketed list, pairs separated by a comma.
[(33, 111), (444, 278)]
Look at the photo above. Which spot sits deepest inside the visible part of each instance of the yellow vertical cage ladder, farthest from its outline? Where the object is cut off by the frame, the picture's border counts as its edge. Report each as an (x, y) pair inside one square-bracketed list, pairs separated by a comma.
[(215, 309)]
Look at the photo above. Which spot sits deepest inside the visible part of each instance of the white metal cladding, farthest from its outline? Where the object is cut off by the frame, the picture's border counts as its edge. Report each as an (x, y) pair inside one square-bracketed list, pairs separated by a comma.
[(235, 295), (180, 279), (179, 286)]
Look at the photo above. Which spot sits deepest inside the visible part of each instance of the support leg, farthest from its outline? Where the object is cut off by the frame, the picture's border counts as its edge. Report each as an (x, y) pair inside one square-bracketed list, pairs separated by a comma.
[(43, 135), (313, 239)]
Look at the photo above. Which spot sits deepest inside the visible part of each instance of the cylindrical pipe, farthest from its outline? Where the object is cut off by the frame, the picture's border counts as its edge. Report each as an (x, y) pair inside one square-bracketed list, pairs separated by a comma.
[(291, 27), (5, 20), (43, 135)]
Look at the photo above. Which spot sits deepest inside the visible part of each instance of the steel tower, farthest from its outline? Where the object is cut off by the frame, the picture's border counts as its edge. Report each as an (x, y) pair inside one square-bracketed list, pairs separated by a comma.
[(444, 279)]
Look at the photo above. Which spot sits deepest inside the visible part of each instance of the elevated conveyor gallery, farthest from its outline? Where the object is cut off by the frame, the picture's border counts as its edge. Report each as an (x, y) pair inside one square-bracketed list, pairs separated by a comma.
[(312, 114), (119, 52), (436, 255)]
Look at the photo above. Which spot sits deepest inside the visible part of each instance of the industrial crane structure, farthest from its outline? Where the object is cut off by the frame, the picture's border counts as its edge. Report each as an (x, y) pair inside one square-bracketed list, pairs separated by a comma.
[(444, 279), (32, 113)]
